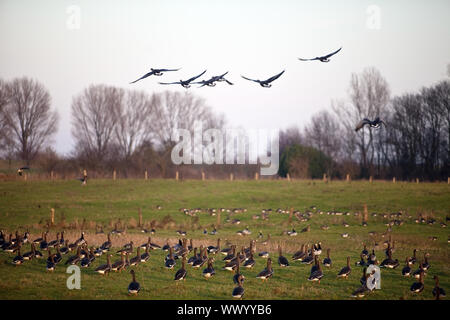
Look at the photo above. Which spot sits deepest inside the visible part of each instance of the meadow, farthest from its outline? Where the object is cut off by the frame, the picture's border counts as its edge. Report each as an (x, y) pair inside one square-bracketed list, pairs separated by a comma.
[(26, 205)]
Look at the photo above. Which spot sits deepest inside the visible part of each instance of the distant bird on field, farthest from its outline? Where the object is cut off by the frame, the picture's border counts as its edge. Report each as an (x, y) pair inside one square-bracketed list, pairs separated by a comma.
[(265, 83), (373, 124), (325, 58), (20, 170), (154, 72), (185, 83)]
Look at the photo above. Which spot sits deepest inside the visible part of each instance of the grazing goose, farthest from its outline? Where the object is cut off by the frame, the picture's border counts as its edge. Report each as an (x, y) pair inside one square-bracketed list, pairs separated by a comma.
[(327, 261), (43, 245), (80, 241), (107, 244), (325, 58), (233, 263), (250, 262), (365, 252), (193, 258), (363, 290), (136, 259), (119, 265), (345, 271), (127, 248), (88, 258), (19, 258), (389, 262), (170, 262), (51, 265), (230, 255), (53, 243), (134, 287), (153, 246), (309, 258), (214, 249), (57, 256), (74, 259), (316, 273), (267, 272), (105, 269), (417, 273), (209, 271), (300, 254), (265, 83), (417, 287), (425, 264), (181, 273), (65, 250), (265, 242), (361, 262), (282, 261), (413, 259), (30, 254), (202, 258), (238, 292), (438, 292), (145, 256), (406, 271), (372, 258), (237, 272), (8, 243)]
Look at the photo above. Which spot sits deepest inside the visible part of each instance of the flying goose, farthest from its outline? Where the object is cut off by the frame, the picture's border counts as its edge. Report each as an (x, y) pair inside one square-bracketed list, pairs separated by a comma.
[(154, 72), (185, 83), (212, 81), (325, 58), (265, 83)]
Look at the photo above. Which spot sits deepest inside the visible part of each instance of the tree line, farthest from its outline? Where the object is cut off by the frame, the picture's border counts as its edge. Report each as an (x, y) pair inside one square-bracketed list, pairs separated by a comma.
[(130, 131)]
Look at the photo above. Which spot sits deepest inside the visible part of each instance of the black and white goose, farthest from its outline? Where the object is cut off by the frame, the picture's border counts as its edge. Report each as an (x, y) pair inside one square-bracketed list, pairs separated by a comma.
[(209, 271), (51, 265), (345, 271), (80, 241), (316, 273), (418, 287), (425, 264), (181, 273), (363, 290), (325, 58), (119, 265), (265, 83), (437, 292), (136, 259), (237, 273), (327, 261), (145, 256), (193, 258), (134, 287), (238, 292), (214, 249), (18, 259), (75, 258), (30, 254), (250, 262), (300, 254), (170, 262), (389, 262), (365, 252), (65, 250), (155, 72), (406, 271), (317, 248), (231, 254), (184, 83), (372, 258), (57, 255), (105, 269), (267, 272), (282, 261), (53, 243), (106, 246), (413, 259)]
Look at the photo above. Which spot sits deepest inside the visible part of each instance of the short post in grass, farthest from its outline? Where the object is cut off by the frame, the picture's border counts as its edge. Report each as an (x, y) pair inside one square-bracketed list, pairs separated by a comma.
[(348, 177), (288, 176), (325, 179), (140, 217), (218, 219), (371, 179), (291, 211), (365, 214), (146, 175), (417, 180), (52, 216), (203, 176), (114, 174), (256, 176), (51, 175), (393, 180), (448, 180), (231, 177), (177, 176)]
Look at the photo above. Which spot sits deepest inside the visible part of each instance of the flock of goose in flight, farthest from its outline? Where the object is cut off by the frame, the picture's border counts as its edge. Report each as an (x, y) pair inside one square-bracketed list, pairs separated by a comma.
[(212, 81)]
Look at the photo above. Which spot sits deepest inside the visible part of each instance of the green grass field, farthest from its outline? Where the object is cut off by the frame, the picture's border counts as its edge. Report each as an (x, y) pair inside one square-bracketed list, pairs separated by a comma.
[(26, 205)]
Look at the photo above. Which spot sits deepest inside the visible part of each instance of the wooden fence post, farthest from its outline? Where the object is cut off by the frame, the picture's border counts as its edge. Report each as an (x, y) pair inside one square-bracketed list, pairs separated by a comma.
[(231, 177), (177, 176), (371, 179), (325, 179), (288, 176), (256, 176), (146, 175), (218, 219), (417, 180), (140, 217), (52, 216), (448, 180), (51, 175), (348, 177), (114, 174), (394, 180), (203, 176)]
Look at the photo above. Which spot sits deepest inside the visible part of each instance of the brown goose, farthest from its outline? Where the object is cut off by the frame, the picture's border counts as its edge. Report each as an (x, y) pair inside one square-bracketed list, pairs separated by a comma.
[(345, 271)]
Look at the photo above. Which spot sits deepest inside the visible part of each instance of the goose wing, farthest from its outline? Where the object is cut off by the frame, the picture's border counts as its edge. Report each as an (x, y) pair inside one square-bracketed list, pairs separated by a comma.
[(144, 76), (332, 54), (274, 77), (177, 82), (258, 81), (196, 77), (362, 123), (166, 70)]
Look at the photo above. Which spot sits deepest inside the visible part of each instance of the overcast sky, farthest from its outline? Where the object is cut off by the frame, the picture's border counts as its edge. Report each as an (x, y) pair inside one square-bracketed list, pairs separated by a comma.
[(118, 41)]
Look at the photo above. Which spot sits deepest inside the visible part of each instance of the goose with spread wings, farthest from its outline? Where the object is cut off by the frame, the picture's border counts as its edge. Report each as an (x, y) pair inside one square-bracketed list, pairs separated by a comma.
[(185, 83), (154, 72), (373, 124), (325, 58), (212, 82), (265, 83)]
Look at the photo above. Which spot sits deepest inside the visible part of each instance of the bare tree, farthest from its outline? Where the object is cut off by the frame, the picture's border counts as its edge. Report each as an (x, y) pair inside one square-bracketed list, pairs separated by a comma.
[(28, 116), (94, 118), (369, 95), (134, 119)]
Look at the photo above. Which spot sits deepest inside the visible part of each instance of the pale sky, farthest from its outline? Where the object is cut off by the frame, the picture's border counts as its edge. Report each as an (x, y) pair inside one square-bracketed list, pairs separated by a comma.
[(118, 41)]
